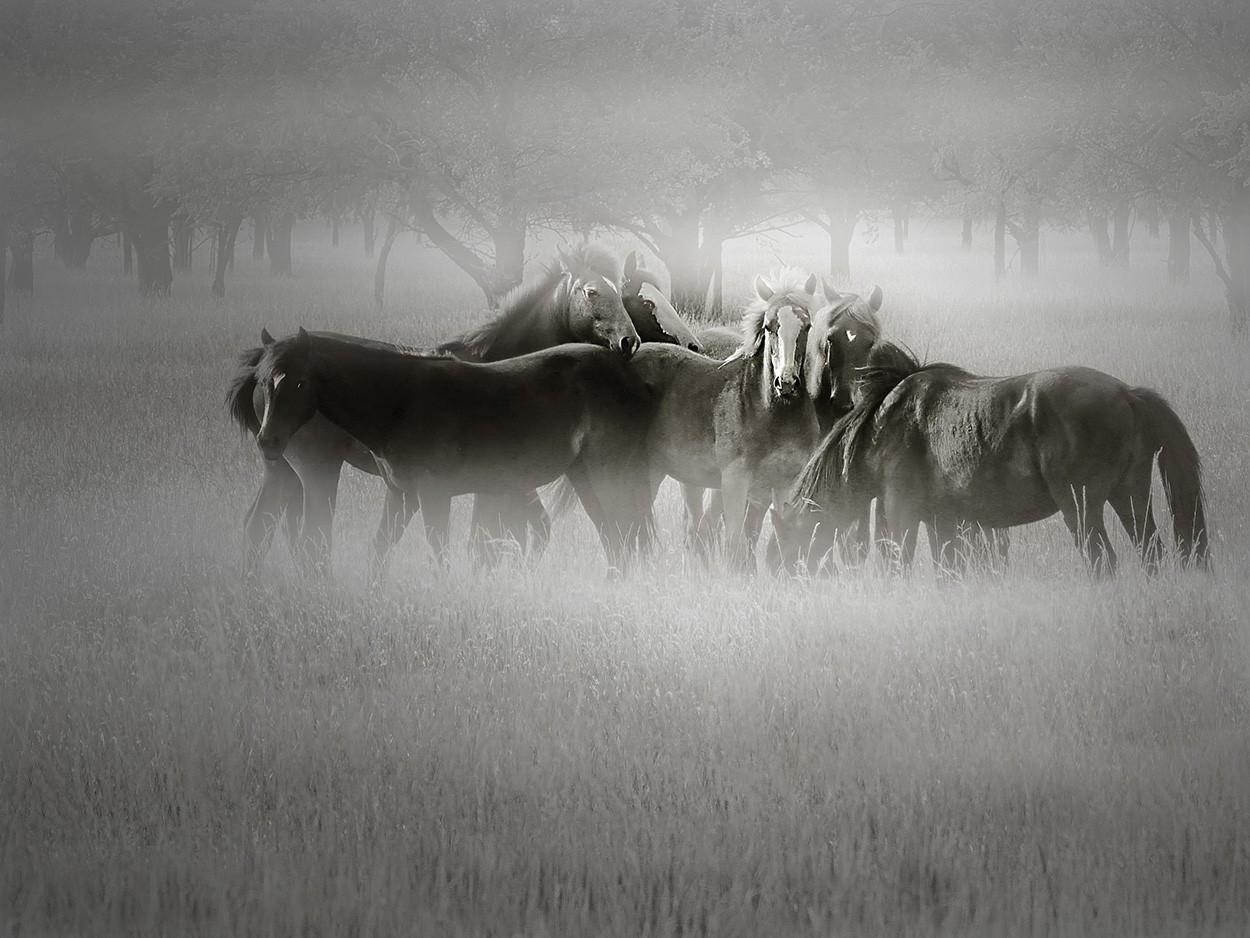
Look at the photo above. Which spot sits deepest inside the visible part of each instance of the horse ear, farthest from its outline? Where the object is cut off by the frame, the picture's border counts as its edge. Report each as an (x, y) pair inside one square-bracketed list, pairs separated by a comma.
[(302, 340), (810, 287), (631, 265), (630, 285), (832, 295), (762, 289), (874, 299), (265, 338), (564, 289)]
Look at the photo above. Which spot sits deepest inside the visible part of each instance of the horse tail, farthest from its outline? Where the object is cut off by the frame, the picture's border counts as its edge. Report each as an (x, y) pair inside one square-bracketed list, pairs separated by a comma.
[(239, 394), (1181, 469)]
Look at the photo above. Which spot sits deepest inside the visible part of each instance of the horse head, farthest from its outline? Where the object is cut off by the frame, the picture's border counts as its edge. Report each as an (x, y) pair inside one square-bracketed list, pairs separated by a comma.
[(595, 309), (775, 327), (284, 382), (845, 328), (653, 315)]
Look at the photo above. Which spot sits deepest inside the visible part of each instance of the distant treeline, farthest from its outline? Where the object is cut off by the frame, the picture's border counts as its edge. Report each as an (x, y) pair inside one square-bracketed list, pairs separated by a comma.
[(476, 122)]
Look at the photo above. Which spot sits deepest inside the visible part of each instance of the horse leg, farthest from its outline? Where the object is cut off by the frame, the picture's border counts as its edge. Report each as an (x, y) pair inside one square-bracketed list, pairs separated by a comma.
[(713, 515), (321, 487), (948, 546), (436, 516), (897, 532), (1083, 514), (1132, 506), (609, 535), (396, 513), (692, 499), (280, 496), (735, 491)]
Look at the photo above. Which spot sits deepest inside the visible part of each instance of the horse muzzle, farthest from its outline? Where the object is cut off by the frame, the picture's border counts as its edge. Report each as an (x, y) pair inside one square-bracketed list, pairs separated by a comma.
[(269, 447), (787, 387), (628, 345)]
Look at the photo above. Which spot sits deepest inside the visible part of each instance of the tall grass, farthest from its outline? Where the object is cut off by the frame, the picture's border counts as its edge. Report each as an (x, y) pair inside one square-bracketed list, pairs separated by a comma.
[(536, 750)]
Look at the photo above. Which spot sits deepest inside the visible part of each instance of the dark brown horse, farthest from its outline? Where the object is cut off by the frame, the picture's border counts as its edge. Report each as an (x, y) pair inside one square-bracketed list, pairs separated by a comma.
[(440, 427), (576, 300), (745, 425), (938, 445)]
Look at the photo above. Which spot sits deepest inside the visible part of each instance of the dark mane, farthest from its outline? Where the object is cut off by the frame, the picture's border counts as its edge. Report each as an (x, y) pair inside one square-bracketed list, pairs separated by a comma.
[(479, 344), (239, 393), (832, 465)]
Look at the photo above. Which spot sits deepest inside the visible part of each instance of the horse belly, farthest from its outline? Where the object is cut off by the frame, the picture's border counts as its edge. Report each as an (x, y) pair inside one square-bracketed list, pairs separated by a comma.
[(495, 456)]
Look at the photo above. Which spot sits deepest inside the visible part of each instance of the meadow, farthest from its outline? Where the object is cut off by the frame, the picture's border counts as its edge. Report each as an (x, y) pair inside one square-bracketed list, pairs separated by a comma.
[(536, 750)]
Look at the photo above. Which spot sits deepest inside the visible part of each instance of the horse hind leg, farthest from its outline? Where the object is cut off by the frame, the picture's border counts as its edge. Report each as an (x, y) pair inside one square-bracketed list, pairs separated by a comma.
[(1132, 507), (1083, 514)]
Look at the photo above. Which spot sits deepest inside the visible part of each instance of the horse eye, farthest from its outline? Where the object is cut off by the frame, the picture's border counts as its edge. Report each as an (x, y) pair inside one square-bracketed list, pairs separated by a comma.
[(298, 385), (649, 305), (592, 291)]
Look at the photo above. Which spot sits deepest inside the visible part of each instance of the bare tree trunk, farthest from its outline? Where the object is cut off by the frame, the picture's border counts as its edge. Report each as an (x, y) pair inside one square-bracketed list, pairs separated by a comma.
[(379, 273), (334, 230), (841, 228), (1029, 239), (1119, 233), (900, 227), (1102, 237), (260, 231), (679, 251), (22, 248), (151, 238), (1236, 227), (4, 248), (227, 234), (128, 250), (1179, 243), (1000, 240), (966, 236), (370, 228), (278, 243), (184, 235), (712, 266)]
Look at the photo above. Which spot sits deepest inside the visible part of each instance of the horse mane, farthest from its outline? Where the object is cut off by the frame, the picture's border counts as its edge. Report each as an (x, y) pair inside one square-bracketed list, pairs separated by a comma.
[(789, 282), (242, 386), (836, 457), (520, 301), (854, 308)]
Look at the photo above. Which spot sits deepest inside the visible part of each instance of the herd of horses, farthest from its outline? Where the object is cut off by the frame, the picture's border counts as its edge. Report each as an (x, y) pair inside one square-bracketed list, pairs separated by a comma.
[(589, 376)]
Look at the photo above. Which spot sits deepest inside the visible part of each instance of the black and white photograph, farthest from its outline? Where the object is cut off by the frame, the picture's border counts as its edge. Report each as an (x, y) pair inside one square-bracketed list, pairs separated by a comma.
[(542, 468)]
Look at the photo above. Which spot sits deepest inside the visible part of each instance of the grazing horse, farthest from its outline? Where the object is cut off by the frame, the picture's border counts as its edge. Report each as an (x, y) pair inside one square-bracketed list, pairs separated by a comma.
[(745, 425), (576, 300), (937, 444), (440, 427)]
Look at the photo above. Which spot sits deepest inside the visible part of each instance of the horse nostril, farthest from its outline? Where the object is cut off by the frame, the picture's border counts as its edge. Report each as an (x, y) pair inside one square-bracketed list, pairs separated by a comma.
[(628, 344)]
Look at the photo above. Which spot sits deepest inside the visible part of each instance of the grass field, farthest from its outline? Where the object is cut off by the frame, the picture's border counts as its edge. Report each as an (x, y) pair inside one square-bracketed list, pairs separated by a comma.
[(542, 752)]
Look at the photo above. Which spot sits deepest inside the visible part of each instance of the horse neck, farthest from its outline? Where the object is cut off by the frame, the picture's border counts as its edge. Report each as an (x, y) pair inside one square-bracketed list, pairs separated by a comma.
[(540, 326), (358, 391)]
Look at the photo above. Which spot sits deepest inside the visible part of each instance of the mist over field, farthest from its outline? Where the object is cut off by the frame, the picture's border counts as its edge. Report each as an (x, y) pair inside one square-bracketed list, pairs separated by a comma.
[(538, 747)]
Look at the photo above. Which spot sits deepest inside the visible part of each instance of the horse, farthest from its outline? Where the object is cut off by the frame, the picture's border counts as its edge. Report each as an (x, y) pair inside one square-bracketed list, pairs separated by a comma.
[(440, 427), (937, 444), (745, 425), (653, 315), (576, 300), (845, 327)]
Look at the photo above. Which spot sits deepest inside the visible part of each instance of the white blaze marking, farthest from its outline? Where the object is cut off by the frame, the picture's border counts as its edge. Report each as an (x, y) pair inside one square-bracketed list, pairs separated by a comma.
[(612, 286), (850, 336), (277, 380)]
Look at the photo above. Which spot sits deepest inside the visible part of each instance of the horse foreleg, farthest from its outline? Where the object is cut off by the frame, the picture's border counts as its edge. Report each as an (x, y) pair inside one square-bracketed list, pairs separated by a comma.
[(713, 516), (692, 501), (321, 487), (396, 513), (279, 496), (735, 491)]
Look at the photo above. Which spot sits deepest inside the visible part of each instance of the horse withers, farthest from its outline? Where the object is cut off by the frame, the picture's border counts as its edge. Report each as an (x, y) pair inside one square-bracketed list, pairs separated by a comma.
[(939, 445), (440, 427)]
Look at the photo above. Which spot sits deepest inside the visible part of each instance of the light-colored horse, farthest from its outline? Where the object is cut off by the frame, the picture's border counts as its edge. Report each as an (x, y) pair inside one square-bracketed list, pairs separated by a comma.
[(745, 425)]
